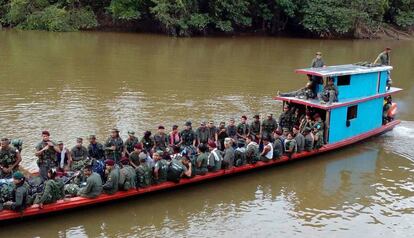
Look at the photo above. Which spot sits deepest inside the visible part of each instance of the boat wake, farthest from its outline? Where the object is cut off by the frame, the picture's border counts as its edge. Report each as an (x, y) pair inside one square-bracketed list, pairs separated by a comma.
[(401, 140)]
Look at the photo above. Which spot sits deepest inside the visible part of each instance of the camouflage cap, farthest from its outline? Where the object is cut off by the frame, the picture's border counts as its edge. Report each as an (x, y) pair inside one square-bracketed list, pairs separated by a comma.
[(18, 175), (188, 123)]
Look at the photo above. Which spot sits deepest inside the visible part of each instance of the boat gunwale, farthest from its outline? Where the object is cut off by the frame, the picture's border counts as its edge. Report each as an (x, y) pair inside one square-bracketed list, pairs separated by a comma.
[(77, 202)]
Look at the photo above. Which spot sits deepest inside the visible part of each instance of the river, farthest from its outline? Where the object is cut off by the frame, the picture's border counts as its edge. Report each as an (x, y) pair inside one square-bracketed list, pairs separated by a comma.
[(76, 84)]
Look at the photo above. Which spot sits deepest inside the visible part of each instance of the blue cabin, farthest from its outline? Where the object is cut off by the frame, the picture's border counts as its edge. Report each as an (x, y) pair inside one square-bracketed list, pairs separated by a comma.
[(359, 109)]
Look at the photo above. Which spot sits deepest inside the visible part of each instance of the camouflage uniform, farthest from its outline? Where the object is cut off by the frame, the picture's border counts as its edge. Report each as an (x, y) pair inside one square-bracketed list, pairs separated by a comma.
[(303, 93), (319, 142), (243, 129), (161, 141), (202, 159), (329, 94), (53, 191), (144, 177), (93, 186), (231, 131), (127, 178), (130, 143), (212, 131), (116, 154), (188, 137), (202, 135), (111, 185), (96, 151), (252, 153), (317, 63), (309, 142), (162, 167), (147, 143), (384, 58), (79, 157), (268, 126), (255, 130), (291, 145), (47, 159), (7, 158), (277, 148)]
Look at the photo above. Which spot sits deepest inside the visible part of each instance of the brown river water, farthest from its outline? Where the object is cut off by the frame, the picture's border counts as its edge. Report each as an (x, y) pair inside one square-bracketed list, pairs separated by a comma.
[(75, 84)]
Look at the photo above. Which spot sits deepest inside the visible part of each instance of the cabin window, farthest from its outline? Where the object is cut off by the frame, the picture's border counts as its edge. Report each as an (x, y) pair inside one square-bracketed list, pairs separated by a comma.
[(344, 80), (352, 112)]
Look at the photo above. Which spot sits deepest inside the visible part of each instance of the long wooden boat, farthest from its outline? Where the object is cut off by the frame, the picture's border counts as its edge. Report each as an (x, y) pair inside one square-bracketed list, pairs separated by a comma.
[(77, 202), (356, 116)]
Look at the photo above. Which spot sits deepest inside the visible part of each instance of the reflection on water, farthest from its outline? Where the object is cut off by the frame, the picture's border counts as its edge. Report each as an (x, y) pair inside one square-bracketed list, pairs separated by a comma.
[(75, 84)]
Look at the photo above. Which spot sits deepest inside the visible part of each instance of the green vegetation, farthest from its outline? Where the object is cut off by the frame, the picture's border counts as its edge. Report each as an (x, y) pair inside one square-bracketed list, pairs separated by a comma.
[(321, 18)]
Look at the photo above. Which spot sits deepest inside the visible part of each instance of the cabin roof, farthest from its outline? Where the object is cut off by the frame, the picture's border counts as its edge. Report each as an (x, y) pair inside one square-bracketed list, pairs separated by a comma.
[(346, 69), (316, 104)]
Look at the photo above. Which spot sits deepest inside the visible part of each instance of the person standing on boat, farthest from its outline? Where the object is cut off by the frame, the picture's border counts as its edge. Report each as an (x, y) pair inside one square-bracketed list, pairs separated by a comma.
[(134, 156), (232, 130), (222, 135), (64, 157), (9, 159), (306, 122), (46, 152), (212, 132), (202, 134), (130, 143), (268, 126), (188, 137), (255, 128), (267, 153), (127, 175), (174, 138), (299, 138), (384, 59), (285, 118), (93, 187), (147, 142), (112, 173), (79, 155), (19, 195), (243, 129), (114, 146), (160, 139), (318, 62), (95, 149), (386, 110)]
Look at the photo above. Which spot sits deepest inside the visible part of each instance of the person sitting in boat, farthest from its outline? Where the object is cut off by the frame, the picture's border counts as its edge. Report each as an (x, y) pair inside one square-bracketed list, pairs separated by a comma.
[(144, 173), (318, 137), (309, 139), (228, 159), (277, 144), (64, 157), (52, 191), (268, 126), (19, 195), (9, 159), (299, 138), (386, 115), (160, 168), (201, 161), (160, 139), (290, 145), (329, 93), (240, 153), (114, 146), (134, 156), (79, 155), (306, 122), (267, 153), (130, 142), (147, 141), (303, 93), (111, 185), (95, 149), (189, 173), (214, 158), (127, 175), (252, 150), (285, 118), (93, 186)]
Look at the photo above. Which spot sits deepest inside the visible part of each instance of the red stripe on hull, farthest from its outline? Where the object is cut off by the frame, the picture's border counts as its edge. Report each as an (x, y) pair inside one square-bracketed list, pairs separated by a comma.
[(79, 201)]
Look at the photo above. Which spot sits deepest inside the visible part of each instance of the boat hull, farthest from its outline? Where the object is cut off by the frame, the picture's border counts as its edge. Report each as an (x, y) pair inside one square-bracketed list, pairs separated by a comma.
[(77, 202)]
